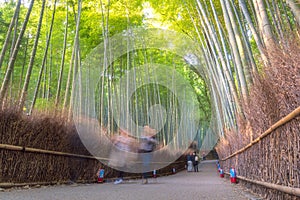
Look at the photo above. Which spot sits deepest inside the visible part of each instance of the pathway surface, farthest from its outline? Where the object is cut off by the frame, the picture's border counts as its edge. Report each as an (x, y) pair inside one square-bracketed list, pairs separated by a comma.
[(206, 184)]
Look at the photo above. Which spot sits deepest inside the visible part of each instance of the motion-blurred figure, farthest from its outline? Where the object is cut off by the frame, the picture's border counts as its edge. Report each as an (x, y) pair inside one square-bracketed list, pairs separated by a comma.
[(147, 145), (122, 153)]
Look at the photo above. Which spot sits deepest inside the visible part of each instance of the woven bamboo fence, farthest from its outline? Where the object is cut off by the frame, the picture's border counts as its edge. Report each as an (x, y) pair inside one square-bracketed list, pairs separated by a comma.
[(43, 149), (269, 165), (266, 152)]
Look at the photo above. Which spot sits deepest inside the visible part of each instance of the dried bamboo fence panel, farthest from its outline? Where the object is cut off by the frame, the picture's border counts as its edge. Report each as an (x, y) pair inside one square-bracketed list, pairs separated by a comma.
[(271, 161), (274, 156), (44, 150)]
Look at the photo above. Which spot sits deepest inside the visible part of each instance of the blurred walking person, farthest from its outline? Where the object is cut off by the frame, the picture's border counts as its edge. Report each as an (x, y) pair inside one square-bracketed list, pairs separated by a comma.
[(121, 153), (148, 143)]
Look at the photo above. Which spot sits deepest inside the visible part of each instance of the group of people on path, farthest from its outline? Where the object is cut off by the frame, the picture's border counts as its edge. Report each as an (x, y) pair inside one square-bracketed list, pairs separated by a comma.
[(192, 162)]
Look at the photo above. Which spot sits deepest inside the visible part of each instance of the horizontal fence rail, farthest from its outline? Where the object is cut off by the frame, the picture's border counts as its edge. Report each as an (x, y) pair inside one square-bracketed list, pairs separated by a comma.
[(35, 150), (58, 153), (281, 188)]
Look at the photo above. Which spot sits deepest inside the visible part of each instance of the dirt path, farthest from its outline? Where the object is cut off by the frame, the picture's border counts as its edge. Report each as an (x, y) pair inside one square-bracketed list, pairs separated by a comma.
[(205, 184)]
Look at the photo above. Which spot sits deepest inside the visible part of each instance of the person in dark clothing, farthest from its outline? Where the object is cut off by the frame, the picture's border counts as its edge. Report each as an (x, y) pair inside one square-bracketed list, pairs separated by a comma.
[(195, 162), (203, 156), (189, 162)]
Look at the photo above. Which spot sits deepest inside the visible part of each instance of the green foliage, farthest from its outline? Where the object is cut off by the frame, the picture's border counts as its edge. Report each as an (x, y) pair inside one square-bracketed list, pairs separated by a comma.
[(120, 16), (43, 104), (6, 13)]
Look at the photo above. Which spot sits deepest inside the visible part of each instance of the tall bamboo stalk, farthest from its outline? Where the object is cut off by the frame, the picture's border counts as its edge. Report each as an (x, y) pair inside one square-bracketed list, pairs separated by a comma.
[(254, 32), (59, 83), (13, 57), (77, 59), (264, 24), (32, 57), (11, 25), (233, 33), (43, 61), (221, 57), (295, 9)]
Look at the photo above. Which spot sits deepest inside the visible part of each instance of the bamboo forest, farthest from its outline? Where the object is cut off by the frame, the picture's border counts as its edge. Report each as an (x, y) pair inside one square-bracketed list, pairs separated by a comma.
[(217, 78)]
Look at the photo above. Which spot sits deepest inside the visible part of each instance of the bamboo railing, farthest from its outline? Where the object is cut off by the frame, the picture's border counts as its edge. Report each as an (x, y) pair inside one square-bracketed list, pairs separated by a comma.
[(281, 188), (34, 150), (279, 123), (58, 153)]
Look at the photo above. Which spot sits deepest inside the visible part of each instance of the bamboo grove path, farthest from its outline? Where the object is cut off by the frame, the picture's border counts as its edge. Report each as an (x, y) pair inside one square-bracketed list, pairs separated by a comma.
[(206, 184)]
